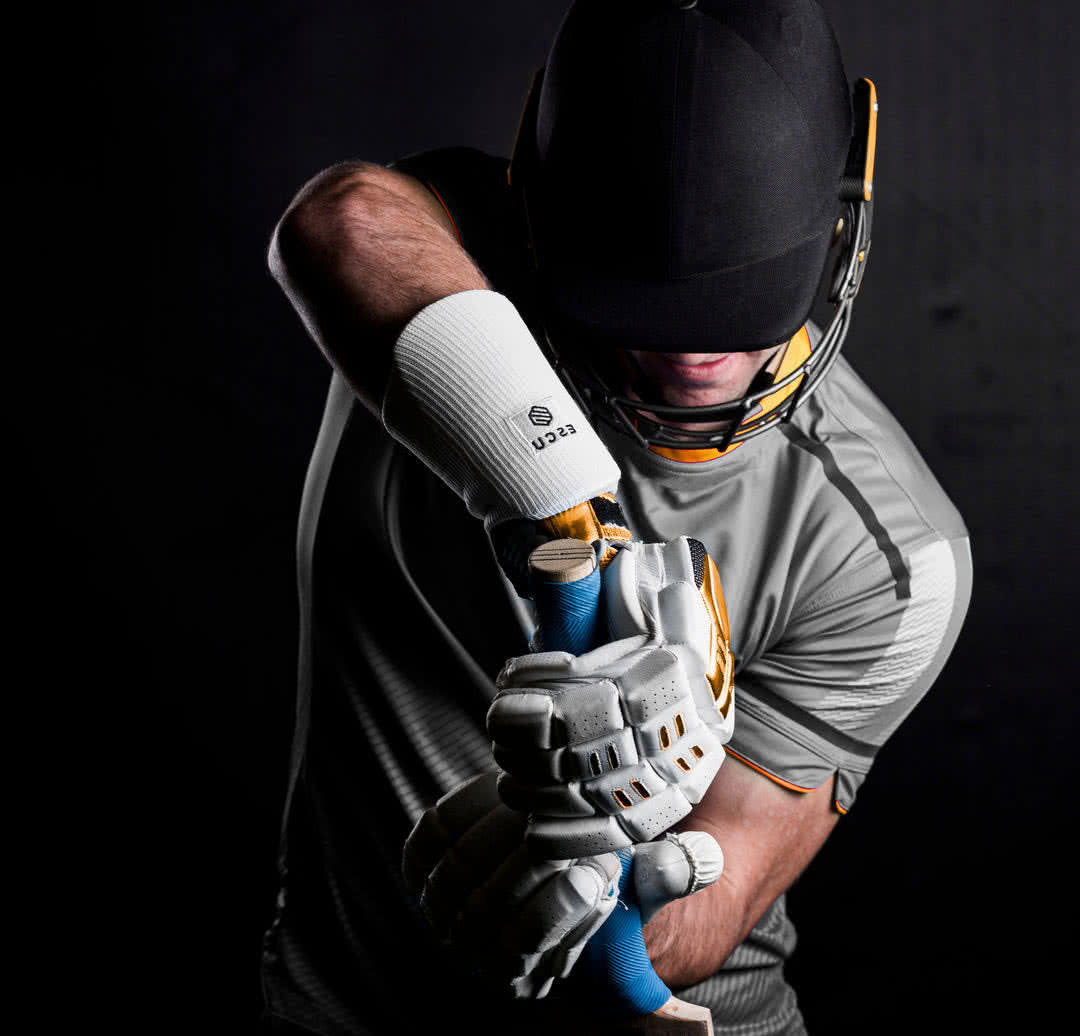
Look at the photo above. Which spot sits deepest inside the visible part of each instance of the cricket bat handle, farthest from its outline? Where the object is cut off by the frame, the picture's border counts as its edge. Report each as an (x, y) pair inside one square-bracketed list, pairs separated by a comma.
[(565, 580)]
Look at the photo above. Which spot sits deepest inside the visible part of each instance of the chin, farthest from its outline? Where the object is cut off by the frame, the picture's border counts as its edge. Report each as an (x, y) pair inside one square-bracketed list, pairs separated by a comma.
[(700, 379), (704, 392)]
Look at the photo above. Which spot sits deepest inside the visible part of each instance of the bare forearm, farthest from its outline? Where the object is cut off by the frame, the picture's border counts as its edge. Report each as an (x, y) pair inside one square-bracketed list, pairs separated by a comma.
[(768, 835), (359, 252), (689, 939)]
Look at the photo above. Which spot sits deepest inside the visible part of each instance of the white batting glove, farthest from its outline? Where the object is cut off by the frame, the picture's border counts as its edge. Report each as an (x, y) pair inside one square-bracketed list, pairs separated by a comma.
[(613, 747), (524, 922), (520, 921)]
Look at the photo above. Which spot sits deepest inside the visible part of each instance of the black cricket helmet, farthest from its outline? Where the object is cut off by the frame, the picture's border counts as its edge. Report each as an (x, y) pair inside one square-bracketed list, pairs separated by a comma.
[(686, 167)]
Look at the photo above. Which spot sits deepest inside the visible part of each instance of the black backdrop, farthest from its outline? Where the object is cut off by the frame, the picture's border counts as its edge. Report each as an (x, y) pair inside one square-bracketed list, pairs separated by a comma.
[(156, 517)]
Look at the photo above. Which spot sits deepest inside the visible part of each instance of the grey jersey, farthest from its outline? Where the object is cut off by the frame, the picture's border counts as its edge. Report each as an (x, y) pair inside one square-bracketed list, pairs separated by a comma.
[(846, 573), (846, 570)]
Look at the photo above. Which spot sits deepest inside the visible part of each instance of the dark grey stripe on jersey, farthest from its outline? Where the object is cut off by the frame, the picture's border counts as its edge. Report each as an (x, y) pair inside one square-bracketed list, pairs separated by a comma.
[(901, 575), (804, 719)]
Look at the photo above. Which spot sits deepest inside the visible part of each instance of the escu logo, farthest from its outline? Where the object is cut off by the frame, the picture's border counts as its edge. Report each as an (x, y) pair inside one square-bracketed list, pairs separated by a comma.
[(542, 441), (544, 422)]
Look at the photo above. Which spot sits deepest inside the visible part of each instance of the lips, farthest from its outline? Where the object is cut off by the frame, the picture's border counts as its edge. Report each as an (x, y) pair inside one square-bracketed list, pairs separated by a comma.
[(694, 370)]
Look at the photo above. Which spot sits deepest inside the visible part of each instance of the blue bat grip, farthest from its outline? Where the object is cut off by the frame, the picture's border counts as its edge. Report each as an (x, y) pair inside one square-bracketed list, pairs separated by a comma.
[(614, 960), (567, 613)]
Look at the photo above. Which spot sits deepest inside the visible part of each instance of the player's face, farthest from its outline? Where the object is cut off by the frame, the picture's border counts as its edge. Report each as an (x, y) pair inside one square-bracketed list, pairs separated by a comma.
[(699, 379)]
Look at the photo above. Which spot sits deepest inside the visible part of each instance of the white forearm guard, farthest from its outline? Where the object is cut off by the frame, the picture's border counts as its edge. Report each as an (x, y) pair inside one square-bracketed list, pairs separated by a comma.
[(471, 394)]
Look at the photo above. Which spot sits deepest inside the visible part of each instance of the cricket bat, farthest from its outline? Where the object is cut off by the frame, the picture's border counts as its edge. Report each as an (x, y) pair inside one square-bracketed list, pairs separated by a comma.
[(566, 587)]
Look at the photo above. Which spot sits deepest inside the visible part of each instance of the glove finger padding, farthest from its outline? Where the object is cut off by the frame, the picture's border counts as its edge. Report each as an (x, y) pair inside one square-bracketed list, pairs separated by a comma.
[(442, 825), (514, 917), (612, 747), (528, 939), (558, 907), (469, 863)]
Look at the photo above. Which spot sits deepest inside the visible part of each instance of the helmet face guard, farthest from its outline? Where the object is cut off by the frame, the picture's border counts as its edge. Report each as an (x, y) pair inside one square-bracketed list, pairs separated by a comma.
[(653, 422)]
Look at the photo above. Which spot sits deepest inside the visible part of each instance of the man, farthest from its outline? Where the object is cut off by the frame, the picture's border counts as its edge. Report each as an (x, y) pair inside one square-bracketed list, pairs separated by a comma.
[(684, 174)]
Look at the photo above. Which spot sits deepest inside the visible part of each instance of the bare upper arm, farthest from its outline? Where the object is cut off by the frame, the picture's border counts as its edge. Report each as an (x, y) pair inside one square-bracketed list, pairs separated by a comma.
[(768, 834), (359, 252)]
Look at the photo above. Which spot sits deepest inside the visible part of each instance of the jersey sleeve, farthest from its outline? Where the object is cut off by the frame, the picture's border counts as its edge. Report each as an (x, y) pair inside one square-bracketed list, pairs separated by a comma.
[(472, 187), (849, 669)]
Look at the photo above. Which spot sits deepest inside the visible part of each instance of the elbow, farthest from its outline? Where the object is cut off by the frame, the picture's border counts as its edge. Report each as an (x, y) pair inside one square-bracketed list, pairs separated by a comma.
[(292, 246), (275, 263), (322, 220)]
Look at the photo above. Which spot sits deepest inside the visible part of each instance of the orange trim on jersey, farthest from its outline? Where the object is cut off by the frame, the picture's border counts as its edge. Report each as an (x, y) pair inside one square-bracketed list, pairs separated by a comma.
[(839, 809), (771, 776), (431, 187), (795, 354)]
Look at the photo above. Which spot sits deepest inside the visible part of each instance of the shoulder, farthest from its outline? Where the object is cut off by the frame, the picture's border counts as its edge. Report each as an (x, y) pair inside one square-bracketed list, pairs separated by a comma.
[(871, 579), (472, 186), (866, 503), (864, 451), (464, 178)]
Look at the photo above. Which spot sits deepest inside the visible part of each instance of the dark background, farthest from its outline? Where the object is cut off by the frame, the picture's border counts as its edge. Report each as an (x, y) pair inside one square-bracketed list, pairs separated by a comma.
[(156, 517)]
